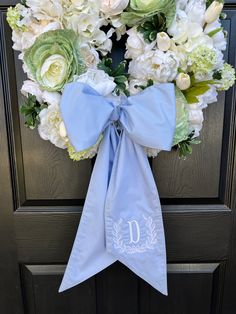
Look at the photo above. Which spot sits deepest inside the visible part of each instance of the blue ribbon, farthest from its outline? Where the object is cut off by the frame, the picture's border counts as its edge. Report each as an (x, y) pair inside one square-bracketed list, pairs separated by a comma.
[(121, 218)]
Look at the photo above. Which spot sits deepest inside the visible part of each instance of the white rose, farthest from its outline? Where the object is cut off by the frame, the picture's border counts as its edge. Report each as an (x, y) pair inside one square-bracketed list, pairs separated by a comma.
[(163, 41), (213, 11), (30, 87), (183, 81), (49, 126), (113, 7), (99, 80), (54, 70)]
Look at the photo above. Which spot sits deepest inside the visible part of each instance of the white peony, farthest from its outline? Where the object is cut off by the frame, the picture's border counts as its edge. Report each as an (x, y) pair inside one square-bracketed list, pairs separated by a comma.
[(219, 40), (99, 80), (30, 87), (156, 65), (113, 7), (136, 44), (49, 126)]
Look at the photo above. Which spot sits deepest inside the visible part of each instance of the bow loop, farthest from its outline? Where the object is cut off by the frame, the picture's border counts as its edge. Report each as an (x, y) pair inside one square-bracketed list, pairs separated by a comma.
[(148, 117)]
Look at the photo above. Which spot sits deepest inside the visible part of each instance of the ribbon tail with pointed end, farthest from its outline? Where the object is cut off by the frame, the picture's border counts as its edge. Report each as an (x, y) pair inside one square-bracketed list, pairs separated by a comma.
[(89, 255), (134, 225)]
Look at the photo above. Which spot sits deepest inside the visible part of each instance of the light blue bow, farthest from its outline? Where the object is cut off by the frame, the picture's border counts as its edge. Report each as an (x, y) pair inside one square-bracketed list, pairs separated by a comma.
[(122, 217)]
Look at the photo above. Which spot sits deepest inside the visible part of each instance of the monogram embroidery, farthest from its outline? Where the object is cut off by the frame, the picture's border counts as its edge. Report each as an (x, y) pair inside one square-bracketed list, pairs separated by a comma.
[(135, 244)]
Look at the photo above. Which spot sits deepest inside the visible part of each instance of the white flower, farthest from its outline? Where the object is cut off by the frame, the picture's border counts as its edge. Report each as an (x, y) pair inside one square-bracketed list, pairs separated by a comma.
[(136, 44), (51, 98), (219, 40), (24, 40), (99, 80), (155, 65), (49, 127), (151, 152), (113, 7), (195, 11), (195, 119), (89, 55), (183, 30), (183, 81), (213, 11), (163, 41), (85, 24), (30, 87), (46, 9), (134, 86), (201, 40), (208, 98)]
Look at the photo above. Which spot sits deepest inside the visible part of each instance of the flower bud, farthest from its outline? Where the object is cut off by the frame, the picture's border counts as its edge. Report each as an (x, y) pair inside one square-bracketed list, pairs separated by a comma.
[(163, 41), (183, 81), (213, 11), (62, 129)]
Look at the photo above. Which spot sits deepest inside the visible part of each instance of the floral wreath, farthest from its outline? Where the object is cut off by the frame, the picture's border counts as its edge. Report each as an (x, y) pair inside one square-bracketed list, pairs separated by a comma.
[(179, 41)]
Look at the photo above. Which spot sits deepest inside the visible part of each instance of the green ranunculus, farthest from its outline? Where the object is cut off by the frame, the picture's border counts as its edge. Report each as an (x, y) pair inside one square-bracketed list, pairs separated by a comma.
[(54, 59), (141, 10), (182, 125)]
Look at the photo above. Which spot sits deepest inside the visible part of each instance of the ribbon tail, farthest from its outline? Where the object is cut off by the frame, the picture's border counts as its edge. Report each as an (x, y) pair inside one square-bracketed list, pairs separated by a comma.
[(89, 255), (133, 217)]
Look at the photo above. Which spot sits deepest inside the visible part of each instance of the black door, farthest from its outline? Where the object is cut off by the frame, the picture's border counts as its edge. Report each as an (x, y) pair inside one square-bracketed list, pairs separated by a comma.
[(42, 195)]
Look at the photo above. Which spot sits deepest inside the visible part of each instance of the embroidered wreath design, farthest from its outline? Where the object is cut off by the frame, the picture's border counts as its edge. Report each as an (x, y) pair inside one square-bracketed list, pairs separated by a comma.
[(149, 244), (179, 41)]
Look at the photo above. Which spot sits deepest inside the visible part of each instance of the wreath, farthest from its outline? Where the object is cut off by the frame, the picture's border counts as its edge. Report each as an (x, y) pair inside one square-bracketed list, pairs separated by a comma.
[(178, 41)]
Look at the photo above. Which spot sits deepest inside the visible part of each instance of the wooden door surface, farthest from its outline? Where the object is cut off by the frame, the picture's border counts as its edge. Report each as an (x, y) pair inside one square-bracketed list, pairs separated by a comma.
[(41, 199)]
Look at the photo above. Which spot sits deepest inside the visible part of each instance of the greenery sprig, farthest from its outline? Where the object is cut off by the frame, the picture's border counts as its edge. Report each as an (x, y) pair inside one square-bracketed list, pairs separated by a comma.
[(119, 74), (185, 147), (154, 25), (31, 109)]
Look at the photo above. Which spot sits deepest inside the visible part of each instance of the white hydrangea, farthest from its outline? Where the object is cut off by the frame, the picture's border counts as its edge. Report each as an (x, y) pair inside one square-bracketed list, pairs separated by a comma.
[(49, 126), (24, 40), (46, 9), (219, 40), (156, 65)]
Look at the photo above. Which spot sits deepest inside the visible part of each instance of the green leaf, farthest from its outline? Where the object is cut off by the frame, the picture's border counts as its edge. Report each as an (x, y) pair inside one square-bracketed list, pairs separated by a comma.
[(152, 26), (31, 109), (197, 89), (214, 32), (118, 73)]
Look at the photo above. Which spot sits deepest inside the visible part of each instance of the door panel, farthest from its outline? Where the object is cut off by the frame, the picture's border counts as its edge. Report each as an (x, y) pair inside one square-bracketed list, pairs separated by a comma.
[(42, 194)]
